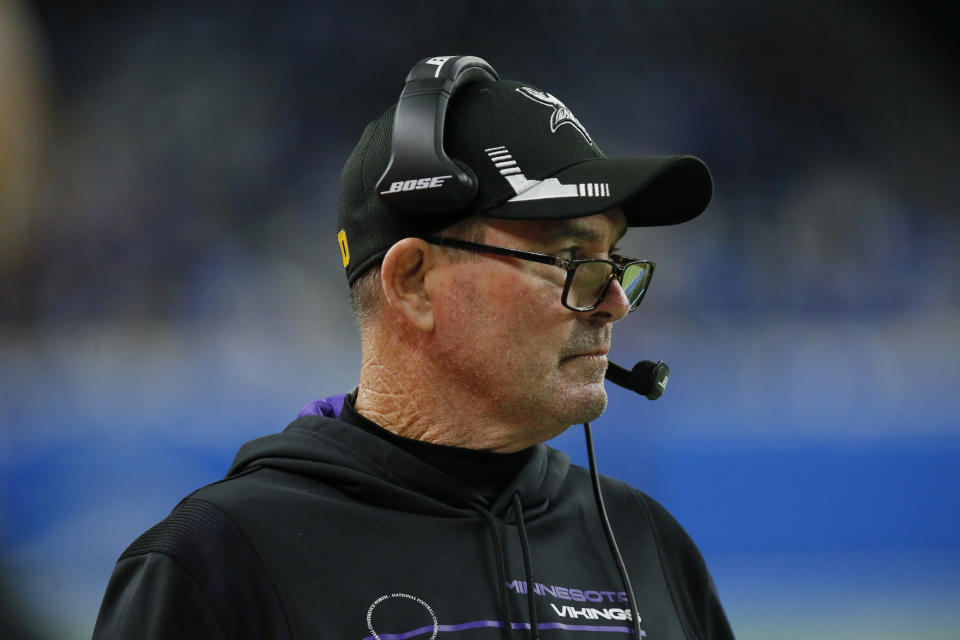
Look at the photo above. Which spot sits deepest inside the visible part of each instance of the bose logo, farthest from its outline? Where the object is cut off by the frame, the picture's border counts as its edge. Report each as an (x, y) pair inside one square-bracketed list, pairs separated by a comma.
[(414, 185)]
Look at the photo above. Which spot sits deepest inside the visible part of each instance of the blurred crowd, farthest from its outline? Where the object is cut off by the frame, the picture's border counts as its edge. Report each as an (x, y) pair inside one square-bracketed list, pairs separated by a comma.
[(151, 153)]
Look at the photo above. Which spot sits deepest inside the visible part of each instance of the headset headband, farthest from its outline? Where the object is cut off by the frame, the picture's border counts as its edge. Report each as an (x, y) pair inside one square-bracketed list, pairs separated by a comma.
[(420, 177)]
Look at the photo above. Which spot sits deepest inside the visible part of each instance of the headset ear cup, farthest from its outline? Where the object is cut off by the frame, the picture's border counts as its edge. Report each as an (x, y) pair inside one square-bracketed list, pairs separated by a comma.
[(420, 178)]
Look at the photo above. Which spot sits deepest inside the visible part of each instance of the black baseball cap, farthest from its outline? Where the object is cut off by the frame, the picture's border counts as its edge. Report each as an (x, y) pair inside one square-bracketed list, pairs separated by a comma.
[(532, 158)]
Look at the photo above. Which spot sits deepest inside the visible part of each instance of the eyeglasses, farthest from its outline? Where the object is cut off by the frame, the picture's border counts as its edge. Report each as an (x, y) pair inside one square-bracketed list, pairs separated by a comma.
[(587, 281)]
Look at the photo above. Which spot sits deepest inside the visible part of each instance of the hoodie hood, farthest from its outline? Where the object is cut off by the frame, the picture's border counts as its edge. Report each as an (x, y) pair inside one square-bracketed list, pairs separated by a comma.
[(367, 467)]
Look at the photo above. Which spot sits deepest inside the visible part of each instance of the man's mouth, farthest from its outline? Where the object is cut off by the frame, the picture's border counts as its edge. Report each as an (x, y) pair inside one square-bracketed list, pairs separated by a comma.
[(595, 353)]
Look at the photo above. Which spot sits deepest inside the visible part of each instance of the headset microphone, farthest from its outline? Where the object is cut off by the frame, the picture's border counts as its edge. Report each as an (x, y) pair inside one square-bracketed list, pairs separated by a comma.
[(646, 378)]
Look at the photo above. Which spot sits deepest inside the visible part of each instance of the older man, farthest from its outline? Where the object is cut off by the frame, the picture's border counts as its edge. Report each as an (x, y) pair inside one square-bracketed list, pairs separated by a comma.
[(424, 501)]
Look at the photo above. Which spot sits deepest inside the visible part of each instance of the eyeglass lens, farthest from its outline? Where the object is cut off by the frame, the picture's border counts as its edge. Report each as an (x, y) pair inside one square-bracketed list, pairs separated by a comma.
[(590, 280), (635, 279)]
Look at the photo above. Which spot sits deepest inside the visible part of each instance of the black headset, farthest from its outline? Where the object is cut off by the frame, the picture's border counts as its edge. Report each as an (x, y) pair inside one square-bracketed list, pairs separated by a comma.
[(420, 177)]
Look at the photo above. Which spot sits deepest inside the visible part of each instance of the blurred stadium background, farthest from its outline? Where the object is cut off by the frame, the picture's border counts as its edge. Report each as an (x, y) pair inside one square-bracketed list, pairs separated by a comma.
[(170, 283)]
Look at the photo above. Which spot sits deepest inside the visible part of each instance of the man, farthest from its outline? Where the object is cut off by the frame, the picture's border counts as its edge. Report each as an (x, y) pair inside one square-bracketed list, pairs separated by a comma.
[(424, 501)]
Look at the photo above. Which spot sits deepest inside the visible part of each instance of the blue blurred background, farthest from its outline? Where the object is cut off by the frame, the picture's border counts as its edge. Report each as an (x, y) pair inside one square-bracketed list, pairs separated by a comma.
[(170, 284)]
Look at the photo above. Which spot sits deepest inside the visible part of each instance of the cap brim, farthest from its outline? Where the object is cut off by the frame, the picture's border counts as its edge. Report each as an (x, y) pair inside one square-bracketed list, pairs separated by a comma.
[(652, 191)]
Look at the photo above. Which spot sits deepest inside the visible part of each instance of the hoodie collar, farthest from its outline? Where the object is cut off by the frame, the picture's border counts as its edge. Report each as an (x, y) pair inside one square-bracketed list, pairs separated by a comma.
[(377, 470)]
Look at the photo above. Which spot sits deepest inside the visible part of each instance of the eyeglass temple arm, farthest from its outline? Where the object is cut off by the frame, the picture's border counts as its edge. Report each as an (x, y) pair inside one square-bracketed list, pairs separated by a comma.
[(503, 251)]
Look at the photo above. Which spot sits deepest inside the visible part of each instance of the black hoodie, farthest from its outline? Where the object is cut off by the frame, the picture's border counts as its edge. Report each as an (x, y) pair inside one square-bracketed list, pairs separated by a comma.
[(329, 531)]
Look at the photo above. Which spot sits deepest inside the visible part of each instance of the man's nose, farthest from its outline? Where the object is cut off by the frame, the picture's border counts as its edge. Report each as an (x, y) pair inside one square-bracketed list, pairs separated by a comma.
[(614, 306)]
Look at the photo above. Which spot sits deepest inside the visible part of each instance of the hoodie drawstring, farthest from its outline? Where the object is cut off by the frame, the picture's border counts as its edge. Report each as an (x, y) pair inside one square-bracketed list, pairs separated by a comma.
[(527, 567), (501, 569)]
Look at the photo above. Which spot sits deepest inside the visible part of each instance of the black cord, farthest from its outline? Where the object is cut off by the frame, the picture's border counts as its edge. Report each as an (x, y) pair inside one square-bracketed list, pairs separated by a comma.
[(621, 567)]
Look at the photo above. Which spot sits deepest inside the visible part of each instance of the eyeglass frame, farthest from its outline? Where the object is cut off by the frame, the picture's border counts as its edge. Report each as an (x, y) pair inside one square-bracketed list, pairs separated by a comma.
[(618, 264)]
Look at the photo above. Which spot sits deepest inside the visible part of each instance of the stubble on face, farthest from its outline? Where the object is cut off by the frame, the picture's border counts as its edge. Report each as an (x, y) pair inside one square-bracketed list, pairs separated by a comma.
[(581, 368), (536, 370), (512, 359)]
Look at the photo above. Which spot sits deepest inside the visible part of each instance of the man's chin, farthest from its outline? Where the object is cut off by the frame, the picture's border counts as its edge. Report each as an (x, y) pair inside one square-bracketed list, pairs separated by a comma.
[(563, 403), (587, 403), (575, 407)]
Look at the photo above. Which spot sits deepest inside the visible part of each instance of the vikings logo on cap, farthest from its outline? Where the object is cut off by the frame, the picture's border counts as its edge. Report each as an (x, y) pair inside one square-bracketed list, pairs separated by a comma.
[(561, 114)]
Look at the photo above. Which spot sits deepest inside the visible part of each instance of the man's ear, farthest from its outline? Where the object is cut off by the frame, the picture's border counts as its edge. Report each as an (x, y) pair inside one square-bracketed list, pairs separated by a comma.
[(402, 275)]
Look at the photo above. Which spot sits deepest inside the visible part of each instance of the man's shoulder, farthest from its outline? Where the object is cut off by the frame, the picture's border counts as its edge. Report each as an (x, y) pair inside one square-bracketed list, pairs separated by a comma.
[(215, 513), (627, 503), (196, 560), (189, 533), (615, 491), (655, 530)]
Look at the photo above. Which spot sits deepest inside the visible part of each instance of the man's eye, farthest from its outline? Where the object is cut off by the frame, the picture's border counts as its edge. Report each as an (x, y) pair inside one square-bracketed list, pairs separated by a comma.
[(578, 253)]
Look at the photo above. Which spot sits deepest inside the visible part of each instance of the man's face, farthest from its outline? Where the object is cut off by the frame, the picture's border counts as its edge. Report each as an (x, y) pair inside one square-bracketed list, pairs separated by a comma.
[(503, 333)]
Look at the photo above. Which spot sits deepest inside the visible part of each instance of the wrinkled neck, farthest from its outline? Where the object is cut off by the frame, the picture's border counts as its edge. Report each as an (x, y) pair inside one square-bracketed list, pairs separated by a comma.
[(404, 391), (485, 472)]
